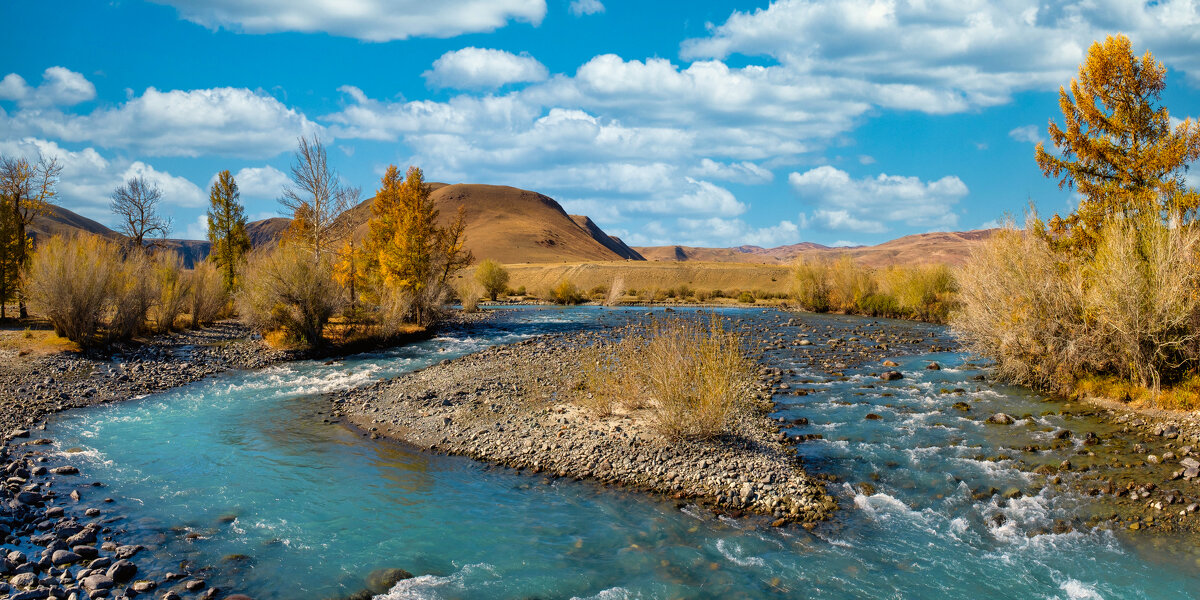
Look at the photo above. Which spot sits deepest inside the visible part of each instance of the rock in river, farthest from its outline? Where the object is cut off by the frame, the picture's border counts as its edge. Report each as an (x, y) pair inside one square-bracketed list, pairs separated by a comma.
[(1001, 419)]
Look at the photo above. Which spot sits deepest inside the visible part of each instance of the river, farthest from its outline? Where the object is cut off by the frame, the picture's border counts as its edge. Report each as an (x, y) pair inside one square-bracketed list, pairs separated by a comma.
[(244, 473)]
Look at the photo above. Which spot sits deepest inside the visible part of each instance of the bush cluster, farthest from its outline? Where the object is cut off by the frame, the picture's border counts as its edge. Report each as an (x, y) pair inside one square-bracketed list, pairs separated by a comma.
[(691, 376), (94, 290), (1051, 318), (925, 292)]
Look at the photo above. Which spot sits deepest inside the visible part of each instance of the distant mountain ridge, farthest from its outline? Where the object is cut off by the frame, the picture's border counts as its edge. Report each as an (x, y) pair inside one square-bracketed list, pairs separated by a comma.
[(511, 225), (951, 248)]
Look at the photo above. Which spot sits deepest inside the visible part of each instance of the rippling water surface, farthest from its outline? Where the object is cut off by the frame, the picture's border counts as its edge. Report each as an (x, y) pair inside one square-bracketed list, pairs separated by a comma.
[(239, 472)]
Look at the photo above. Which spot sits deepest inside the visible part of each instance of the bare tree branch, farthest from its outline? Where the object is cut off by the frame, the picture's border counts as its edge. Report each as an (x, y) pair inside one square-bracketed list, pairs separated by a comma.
[(136, 202)]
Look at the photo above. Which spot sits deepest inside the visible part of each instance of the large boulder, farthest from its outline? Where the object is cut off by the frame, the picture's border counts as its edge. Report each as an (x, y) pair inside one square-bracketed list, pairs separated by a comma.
[(64, 557), (95, 582), (380, 581), (122, 570), (1001, 419)]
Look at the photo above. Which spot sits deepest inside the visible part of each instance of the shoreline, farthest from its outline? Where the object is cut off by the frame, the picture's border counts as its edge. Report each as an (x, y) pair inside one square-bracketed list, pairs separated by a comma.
[(507, 406), (45, 501)]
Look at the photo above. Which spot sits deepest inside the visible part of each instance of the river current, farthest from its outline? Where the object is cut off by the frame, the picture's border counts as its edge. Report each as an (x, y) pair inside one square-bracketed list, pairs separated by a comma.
[(245, 473)]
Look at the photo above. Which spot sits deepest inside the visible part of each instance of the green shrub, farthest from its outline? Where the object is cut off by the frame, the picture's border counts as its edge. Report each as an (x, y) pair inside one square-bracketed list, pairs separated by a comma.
[(746, 298)]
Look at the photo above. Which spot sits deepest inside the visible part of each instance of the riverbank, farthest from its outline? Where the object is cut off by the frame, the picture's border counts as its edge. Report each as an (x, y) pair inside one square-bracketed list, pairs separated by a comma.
[(511, 406), (40, 383), (60, 537)]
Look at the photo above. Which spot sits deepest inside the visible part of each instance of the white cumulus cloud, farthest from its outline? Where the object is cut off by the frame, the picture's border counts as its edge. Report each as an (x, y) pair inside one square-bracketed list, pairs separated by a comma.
[(1027, 133), (259, 183), (483, 68), (875, 204), (370, 20), (88, 178), (218, 121), (586, 7), (60, 87)]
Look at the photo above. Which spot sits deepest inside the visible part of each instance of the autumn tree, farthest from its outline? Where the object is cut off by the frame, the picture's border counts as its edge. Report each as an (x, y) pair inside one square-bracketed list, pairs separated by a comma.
[(493, 277), (136, 204), (27, 189), (405, 251), (1117, 146), (452, 252), (316, 197), (10, 255), (227, 228)]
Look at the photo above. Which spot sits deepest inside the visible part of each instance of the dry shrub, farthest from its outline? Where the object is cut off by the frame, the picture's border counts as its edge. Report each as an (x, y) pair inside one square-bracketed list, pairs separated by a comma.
[(208, 297), (70, 282), (926, 292), (493, 277), (1054, 319), (135, 291), (848, 284), (1022, 304), (289, 288), (810, 284), (469, 293), (692, 376), (174, 289), (1141, 292)]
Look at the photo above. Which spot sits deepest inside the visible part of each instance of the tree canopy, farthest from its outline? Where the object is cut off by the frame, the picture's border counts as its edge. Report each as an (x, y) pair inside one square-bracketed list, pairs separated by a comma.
[(227, 227), (1117, 146)]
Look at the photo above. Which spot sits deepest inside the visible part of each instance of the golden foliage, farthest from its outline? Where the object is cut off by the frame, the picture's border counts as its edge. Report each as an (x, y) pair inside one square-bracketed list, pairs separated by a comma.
[(1117, 146)]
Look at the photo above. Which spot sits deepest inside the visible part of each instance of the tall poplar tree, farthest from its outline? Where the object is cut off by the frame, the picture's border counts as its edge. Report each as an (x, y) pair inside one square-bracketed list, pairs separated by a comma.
[(227, 227), (1117, 146)]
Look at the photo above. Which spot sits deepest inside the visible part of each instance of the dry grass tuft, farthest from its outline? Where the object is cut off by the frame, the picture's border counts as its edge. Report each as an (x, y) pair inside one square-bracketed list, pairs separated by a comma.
[(691, 377)]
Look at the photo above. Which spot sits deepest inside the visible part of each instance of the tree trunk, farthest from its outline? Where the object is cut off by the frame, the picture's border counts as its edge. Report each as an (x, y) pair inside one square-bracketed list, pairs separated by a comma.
[(22, 312)]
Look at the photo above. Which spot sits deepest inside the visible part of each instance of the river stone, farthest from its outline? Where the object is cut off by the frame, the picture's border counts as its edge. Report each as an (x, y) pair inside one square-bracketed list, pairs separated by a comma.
[(125, 552), (87, 552), (65, 470), (32, 498), (934, 366), (143, 586), (95, 582), (122, 570), (64, 557), (382, 580), (1001, 419), (40, 594), (17, 557), (24, 580), (1190, 463), (892, 376)]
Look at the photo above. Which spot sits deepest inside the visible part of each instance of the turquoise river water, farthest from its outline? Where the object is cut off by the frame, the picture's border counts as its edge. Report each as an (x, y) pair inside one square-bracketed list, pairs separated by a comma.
[(241, 472)]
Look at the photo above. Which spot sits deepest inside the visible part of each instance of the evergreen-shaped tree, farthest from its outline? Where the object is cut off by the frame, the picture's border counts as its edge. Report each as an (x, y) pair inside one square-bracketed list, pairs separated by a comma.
[(227, 228)]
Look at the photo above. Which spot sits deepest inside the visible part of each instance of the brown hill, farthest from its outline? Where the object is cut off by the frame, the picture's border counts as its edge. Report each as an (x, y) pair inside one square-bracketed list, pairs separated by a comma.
[(512, 225), (951, 248), (60, 221)]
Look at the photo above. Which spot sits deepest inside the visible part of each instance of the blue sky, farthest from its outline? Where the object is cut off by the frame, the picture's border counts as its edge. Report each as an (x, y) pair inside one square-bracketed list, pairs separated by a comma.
[(698, 123)]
